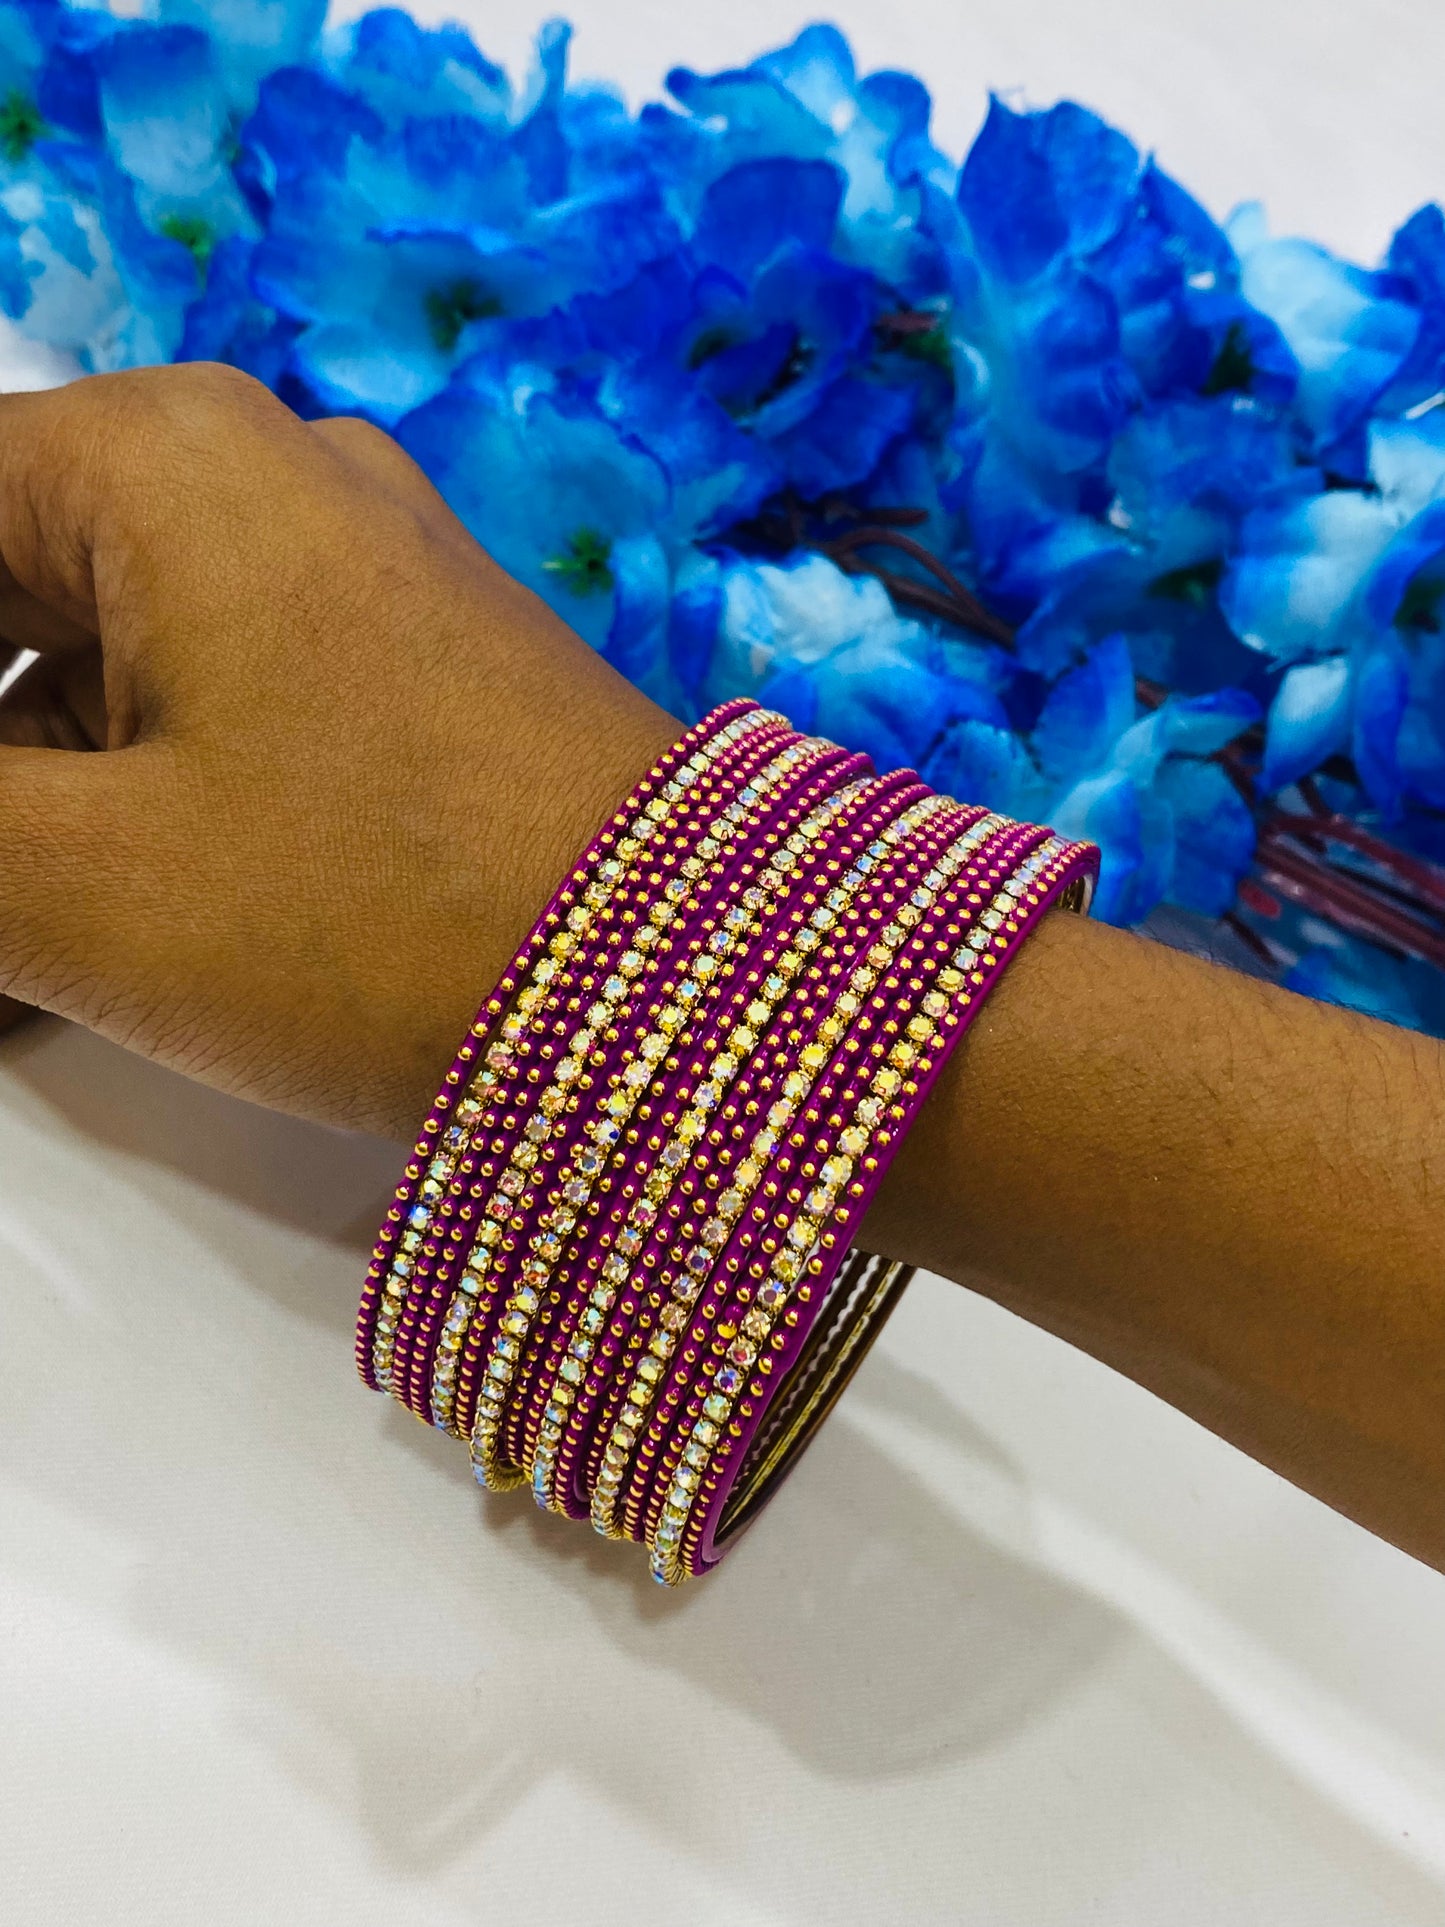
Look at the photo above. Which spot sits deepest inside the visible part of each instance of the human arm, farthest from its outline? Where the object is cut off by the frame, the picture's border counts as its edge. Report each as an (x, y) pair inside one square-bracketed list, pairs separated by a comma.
[(345, 759)]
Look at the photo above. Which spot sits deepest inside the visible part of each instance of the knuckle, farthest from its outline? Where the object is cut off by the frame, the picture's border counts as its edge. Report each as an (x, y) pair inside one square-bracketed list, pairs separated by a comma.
[(354, 431), (218, 381), (149, 437), (168, 402), (369, 448)]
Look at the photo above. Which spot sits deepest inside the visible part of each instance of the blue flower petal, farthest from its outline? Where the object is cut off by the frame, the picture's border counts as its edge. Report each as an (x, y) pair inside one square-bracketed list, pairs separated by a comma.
[(67, 91), (1187, 726), (546, 486), (1382, 690), (164, 109), (1420, 545), (1134, 829), (1294, 586), (1417, 259), (1086, 711), (817, 70), (642, 593), (1309, 720), (304, 123), (757, 114), (844, 438), (752, 211), (693, 622), (1036, 186), (1407, 462), (400, 68), (1351, 332), (252, 36), (353, 370), (1363, 978), (987, 763), (718, 475), (1214, 835), (14, 275)]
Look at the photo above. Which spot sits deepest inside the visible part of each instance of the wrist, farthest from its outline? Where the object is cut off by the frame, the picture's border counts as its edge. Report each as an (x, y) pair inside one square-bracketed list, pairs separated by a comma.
[(506, 852)]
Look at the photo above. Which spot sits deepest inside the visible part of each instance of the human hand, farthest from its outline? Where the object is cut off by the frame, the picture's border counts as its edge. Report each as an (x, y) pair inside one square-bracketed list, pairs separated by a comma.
[(342, 762), (340, 759)]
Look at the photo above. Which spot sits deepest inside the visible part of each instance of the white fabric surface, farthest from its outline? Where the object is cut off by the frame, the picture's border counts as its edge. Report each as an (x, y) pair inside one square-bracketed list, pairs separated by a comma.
[(1020, 1647)]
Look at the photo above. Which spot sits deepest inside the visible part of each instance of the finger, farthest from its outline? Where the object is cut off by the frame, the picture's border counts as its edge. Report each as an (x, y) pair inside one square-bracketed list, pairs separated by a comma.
[(52, 703), (113, 477)]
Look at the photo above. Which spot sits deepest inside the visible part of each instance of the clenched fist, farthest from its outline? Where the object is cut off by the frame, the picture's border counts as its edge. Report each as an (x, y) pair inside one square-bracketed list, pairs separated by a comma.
[(340, 759)]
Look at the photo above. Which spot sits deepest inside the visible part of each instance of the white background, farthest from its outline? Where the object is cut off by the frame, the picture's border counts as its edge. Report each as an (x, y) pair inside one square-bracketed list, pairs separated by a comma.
[(1019, 1647)]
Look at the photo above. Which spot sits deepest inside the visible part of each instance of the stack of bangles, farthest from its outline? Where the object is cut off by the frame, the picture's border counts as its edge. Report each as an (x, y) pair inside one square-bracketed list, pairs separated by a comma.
[(620, 1264)]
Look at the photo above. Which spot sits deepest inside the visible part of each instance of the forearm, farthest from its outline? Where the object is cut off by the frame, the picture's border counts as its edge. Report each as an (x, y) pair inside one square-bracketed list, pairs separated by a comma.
[(1233, 1195), (343, 769)]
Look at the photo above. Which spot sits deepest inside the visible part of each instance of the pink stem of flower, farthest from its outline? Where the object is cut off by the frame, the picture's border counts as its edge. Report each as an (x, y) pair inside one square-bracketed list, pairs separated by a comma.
[(970, 612)]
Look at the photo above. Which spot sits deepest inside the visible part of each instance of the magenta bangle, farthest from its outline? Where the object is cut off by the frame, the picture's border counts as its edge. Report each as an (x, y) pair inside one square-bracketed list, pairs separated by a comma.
[(621, 1261), (744, 1260), (700, 1545), (872, 810), (463, 1066), (497, 1138), (797, 1034), (815, 768)]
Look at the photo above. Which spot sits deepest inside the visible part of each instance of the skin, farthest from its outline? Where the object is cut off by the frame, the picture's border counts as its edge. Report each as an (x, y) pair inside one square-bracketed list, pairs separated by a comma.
[(344, 759)]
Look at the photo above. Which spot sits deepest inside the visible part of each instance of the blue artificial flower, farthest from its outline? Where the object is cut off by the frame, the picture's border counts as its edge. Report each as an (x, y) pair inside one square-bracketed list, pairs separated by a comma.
[(251, 38), (1351, 332), (1167, 818), (832, 652), (402, 70), (431, 227), (588, 538), (1417, 261), (807, 102), (1394, 989), (1309, 720), (166, 118), (1024, 472), (1347, 588), (1293, 588)]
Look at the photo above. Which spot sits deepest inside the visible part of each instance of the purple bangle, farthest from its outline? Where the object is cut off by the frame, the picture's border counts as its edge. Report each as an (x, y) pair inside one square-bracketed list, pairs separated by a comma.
[(457, 1076), (621, 1258), (747, 800), (858, 821), (841, 1092), (815, 774), (757, 1092), (594, 949), (680, 1405), (1073, 866)]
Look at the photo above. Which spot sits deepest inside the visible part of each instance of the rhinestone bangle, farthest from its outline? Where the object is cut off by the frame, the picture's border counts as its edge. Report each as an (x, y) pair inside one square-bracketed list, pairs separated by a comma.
[(490, 1190), (620, 1260)]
